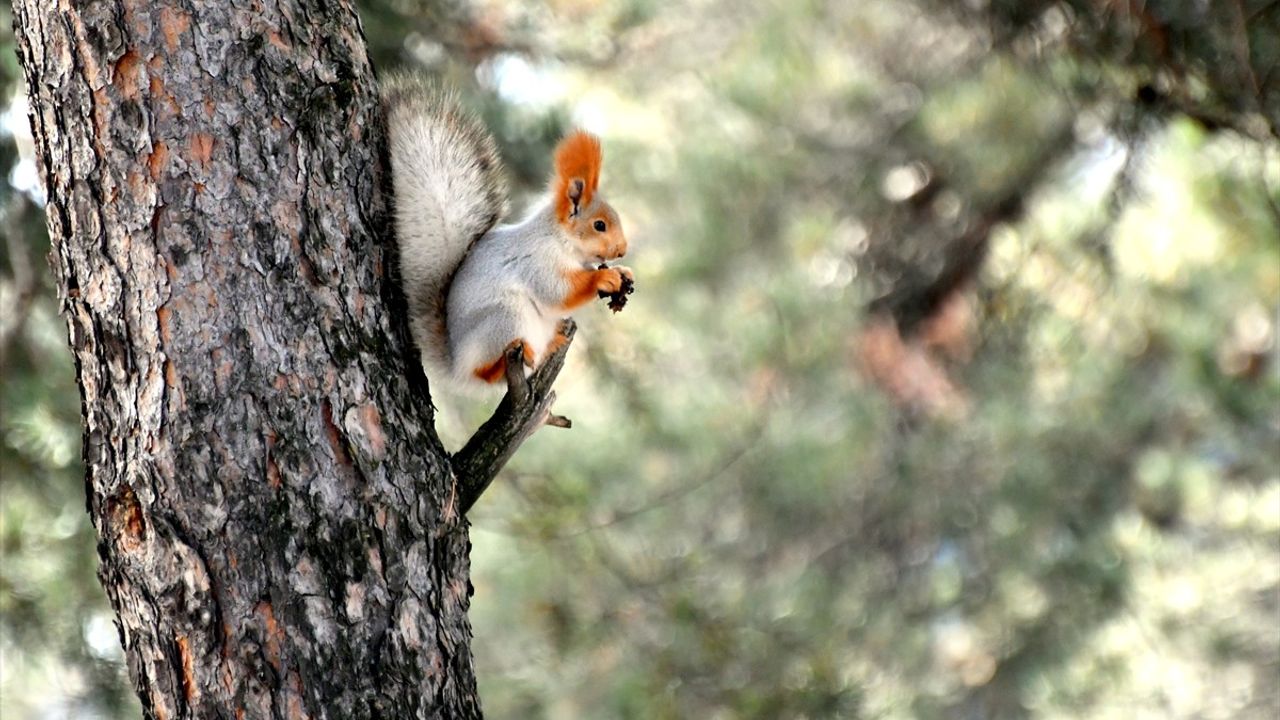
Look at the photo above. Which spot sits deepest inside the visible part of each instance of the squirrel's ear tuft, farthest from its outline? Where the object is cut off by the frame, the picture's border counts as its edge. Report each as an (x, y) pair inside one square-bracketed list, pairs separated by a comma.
[(578, 160)]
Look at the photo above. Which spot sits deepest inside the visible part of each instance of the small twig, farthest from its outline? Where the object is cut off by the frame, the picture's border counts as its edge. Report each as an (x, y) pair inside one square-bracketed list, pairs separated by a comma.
[(524, 409)]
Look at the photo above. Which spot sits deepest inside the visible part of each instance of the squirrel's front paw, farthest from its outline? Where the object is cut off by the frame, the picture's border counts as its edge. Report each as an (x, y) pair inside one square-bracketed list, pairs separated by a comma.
[(612, 279), (618, 293)]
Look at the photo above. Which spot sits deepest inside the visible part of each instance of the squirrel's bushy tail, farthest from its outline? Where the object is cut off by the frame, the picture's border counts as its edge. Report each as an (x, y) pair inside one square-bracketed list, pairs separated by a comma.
[(448, 189)]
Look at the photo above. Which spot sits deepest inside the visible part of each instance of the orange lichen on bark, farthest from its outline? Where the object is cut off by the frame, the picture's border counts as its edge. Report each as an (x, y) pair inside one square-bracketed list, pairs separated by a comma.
[(170, 374), (294, 705), (189, 688), (100, 104), (273, 634), (158, 705), (158, 91), (84, 47), (157, 159), (279, 42), (201, 147), (125, 74), (162, 320), (173, 23), (126, 519), (372, 423), (134, 181)]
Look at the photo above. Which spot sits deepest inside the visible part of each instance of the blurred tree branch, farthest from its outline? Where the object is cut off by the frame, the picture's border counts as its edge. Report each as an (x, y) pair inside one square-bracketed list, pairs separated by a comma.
[(916, 297)]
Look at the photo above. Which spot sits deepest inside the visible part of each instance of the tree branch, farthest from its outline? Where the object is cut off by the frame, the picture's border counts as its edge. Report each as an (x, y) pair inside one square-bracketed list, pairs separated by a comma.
[(525, 408)]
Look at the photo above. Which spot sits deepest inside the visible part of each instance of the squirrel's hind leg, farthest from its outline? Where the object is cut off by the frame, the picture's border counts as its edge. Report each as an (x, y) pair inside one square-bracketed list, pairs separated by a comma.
[(496, 370), (559, 339)]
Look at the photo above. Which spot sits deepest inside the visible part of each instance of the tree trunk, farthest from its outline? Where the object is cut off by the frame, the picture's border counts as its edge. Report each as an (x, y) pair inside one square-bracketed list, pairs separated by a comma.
[(278, 524)]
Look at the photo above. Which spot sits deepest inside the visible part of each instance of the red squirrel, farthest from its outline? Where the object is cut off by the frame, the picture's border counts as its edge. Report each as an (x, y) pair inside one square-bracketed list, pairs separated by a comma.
[(476, 288)]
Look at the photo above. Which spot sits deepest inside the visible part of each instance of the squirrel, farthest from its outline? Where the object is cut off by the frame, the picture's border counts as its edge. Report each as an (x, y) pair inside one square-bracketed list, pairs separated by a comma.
[(474, 288)]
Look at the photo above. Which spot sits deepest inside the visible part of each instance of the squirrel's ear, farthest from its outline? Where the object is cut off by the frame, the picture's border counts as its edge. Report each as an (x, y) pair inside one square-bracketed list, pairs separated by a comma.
[(574, 193), (578, 159)]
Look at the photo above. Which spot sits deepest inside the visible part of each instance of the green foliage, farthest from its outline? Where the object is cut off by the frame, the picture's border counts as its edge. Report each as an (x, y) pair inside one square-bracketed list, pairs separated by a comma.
[(950, 386)]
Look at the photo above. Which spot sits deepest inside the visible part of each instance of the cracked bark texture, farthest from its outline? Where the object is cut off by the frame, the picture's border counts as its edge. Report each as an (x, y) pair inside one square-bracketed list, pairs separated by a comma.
[(278, 525)]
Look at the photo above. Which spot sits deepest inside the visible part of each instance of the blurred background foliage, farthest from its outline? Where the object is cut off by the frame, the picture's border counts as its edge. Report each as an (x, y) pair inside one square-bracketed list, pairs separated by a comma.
[(950, 388)]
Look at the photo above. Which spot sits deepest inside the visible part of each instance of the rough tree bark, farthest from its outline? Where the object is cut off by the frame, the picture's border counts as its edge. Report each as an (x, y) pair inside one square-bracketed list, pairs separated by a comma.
[(279, 526)]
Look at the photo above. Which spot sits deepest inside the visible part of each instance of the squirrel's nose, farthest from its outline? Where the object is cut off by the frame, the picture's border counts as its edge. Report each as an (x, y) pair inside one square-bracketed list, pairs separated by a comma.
[(618, 250)]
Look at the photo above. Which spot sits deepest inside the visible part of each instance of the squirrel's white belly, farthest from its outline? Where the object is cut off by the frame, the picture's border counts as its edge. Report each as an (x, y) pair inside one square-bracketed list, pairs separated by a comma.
[(506, 315)]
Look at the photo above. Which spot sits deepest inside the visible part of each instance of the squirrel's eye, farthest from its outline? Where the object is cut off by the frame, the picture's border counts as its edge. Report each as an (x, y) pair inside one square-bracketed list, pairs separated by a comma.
[(598, 225)]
